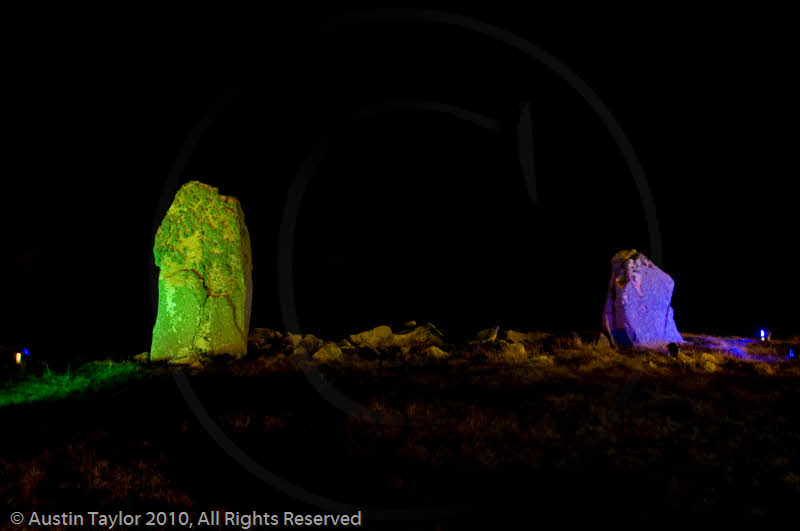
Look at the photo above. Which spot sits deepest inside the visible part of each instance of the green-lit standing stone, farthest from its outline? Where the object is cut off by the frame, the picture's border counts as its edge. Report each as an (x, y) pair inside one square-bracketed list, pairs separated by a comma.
[(205, 286)]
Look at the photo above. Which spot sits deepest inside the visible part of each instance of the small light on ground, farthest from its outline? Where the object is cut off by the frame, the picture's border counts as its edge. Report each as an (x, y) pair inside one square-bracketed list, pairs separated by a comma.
[(25, 351), (762, 335), (791, 353), (19, 357)]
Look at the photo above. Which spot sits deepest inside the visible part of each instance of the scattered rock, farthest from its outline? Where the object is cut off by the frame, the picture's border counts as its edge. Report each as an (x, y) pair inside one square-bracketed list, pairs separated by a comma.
[(144, 357), (418, 336), (603, 342), (294, 340), (410, 324), (382, 337), (637, 310), (435, 331), (205, 289), (374, 339), (199, 362), (266, 334), (304, 344), (328, 352), (486, 336), (264, 338), (435, 352), (312, 342)]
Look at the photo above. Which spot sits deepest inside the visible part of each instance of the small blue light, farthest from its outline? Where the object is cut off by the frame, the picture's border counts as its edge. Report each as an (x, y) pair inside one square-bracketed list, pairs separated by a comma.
[(25, 351), (791, 353), (762, 334)]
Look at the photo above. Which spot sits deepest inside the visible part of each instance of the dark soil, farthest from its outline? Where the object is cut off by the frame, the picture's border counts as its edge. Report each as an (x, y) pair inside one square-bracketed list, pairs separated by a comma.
[(477, 446)]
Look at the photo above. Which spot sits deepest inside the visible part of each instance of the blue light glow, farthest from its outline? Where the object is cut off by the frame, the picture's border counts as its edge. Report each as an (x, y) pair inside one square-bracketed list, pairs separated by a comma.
[(762, 334), (791, 353), (25, 351)]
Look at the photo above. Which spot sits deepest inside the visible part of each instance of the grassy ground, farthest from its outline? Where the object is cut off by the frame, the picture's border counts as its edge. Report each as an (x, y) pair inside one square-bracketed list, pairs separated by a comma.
[(526, 428)]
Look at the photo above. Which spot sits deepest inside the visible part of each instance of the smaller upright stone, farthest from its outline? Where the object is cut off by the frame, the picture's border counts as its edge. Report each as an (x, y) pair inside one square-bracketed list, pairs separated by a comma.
[(328, 352), (637, 310)]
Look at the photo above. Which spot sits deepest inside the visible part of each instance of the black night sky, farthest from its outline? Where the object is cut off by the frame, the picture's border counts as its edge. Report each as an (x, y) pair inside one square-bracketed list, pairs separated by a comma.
[(417, 207)]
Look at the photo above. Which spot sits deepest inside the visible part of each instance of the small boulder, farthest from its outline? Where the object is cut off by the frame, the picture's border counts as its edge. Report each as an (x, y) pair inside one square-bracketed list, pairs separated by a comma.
[(421, 335), (265, 334), (435, 352), (637, 310), (144, 357), (264, 338), (374, 339), (435, 331), (294, 340), (486, 336), (312, 342), (303, 344), (328, 352)]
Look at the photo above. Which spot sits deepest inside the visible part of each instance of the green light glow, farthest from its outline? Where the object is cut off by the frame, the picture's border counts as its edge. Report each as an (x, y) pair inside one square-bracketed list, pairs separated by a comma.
[(50, 385)]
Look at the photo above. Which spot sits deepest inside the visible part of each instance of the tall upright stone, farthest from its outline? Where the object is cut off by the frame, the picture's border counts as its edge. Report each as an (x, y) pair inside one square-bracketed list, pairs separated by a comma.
[(637, 310), (205, 285)]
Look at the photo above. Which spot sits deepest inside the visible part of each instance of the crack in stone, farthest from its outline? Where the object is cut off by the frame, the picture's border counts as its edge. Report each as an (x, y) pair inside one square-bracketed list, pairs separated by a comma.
[(186, 247), (227, 296)]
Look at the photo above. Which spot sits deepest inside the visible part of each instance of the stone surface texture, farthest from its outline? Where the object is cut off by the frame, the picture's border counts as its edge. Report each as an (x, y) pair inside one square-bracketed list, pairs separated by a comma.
[(205, 286), (637, 310)]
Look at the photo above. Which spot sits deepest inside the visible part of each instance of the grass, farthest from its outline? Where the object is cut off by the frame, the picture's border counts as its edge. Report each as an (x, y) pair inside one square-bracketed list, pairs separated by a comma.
[(50, 385)]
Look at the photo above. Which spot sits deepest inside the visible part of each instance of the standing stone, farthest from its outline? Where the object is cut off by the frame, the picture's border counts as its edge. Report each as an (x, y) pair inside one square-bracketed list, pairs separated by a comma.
[(637, 310), (205, 286)]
